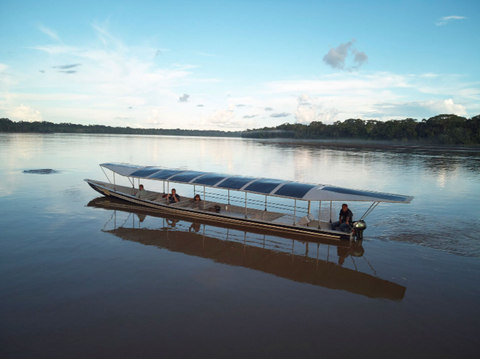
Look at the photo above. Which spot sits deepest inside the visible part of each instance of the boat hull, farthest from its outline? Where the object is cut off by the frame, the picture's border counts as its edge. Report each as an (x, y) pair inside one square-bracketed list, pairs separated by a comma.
[(110, 190)]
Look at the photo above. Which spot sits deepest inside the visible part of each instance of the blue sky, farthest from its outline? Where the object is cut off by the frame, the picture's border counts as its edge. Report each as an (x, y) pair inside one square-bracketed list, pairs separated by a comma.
[(232, 65)]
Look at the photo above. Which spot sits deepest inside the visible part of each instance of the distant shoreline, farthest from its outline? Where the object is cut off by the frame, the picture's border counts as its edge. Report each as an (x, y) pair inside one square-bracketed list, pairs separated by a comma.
[(336, 143), (439, 131), (375, 144)]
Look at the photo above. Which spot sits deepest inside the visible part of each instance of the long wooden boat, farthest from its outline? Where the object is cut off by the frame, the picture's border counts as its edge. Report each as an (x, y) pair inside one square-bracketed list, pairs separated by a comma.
[(273, 204), (321, 264)]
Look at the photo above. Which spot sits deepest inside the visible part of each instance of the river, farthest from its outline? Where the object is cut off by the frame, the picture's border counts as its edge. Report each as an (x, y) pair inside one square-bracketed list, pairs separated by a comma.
[(84, 277)]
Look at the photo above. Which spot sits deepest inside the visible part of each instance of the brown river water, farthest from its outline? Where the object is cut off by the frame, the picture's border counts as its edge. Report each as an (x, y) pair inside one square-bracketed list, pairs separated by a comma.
[(82, 276)]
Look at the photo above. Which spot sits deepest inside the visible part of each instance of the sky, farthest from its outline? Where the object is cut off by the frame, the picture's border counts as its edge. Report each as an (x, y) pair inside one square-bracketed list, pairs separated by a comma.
[(234, 65)]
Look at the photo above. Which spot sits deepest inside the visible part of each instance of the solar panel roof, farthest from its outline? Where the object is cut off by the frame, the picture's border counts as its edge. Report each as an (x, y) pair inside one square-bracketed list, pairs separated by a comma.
[(235, 182), (165, 174), (210, 179), (145, 172), (264, 185), (294, 189), (273, 187), (187, 176)]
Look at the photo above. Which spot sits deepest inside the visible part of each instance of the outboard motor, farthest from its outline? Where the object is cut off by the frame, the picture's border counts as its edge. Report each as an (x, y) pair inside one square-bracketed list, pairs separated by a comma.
[(358, 228)]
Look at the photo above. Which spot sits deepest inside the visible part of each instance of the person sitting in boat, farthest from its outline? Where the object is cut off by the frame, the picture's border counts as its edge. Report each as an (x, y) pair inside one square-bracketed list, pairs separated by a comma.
[(344, 219), (141, 194), (197, 201), (173, 197)]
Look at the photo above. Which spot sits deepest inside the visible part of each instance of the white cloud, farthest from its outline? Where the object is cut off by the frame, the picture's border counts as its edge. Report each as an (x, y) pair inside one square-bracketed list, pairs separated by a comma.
[(448, 19), (155, 117), (23, 113), (447, 106), (49, 32), (223, 118), (377, 95), (416, 109), (113, 75), (336, 57), (309, 110), (341, 83)]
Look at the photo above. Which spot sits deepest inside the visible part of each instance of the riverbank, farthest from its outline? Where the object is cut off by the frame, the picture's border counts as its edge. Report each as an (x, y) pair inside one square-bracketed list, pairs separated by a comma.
[(355, 143)]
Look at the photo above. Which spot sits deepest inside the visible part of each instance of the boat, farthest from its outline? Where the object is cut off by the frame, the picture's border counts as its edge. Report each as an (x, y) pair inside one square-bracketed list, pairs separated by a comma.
[(272, 204), (334, 265)]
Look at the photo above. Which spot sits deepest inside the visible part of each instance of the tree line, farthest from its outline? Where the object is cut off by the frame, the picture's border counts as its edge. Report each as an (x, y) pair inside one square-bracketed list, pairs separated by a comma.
[(7, 125), (441, 129)]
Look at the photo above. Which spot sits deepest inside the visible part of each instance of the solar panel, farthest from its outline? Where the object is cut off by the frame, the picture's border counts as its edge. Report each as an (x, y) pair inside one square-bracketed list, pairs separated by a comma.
[(294, 189), (264, 185), (235, 182), (164, 174), (273, 187), (186, 176), (145, 172), (210, 179)]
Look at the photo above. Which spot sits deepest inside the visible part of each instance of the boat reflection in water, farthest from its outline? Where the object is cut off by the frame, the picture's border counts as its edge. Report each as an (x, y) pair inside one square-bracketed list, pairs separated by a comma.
[(290, 257)]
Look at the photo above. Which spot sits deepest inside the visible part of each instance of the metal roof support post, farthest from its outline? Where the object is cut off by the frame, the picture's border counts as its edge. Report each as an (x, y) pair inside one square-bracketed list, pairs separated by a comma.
[(265, 203), (246, 213), (106, 174), (204, 199), (309, 207), (319, 213), (163, 187), (168, 190), (295, 212), (114, 178), (330, 211), (228, 196)]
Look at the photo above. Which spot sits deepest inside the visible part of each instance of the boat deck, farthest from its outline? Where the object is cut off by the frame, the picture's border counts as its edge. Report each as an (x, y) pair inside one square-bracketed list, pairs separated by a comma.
[(227, 210)]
